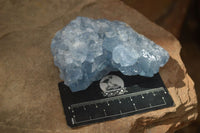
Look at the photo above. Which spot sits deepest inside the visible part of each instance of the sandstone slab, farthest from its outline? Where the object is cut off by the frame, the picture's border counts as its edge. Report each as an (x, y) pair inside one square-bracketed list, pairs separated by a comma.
[(29, 96)]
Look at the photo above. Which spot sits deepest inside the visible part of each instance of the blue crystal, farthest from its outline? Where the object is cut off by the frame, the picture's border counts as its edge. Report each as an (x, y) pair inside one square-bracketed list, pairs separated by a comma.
[(87, 49)]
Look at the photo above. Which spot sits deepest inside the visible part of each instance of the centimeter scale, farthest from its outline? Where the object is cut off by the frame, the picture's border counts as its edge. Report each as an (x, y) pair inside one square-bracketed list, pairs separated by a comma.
[(115, 96)]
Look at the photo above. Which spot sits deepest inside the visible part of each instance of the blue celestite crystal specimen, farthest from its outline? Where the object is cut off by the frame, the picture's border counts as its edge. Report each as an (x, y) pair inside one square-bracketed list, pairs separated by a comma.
[(87, 49)]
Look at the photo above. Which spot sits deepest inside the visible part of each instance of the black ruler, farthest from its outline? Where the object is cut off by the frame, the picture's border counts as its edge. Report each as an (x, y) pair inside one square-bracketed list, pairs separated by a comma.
[(142, 94)]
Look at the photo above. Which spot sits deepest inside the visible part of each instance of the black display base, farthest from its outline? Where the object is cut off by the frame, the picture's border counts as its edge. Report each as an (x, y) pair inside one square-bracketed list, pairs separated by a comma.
[(142, 94)]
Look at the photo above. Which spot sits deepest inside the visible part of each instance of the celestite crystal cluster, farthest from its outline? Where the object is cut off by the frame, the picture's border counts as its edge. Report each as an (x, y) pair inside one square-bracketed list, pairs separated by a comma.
[(87, 49)]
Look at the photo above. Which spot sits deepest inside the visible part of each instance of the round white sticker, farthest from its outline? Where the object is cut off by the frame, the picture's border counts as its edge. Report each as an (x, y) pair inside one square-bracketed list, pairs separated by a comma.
[(111, 83)]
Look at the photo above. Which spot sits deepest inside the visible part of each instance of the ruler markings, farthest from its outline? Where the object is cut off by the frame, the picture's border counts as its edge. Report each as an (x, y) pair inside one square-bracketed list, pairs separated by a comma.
[(163, 100), (107, 116), (116, 97), (73, 122)]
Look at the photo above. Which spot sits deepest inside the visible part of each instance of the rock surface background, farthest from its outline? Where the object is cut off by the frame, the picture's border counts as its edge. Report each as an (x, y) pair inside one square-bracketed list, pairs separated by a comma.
[(29, 98)]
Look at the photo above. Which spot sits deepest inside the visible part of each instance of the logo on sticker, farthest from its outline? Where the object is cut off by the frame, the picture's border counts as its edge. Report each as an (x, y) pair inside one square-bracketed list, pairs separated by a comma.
[(112, 85)]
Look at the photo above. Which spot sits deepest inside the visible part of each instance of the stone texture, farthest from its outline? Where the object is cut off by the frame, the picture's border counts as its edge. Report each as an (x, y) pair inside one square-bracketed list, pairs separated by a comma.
[(163, 12), (29, 98)]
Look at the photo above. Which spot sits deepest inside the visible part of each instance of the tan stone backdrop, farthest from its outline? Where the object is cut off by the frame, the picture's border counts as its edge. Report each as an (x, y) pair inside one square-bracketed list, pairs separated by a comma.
[(29, 96)]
